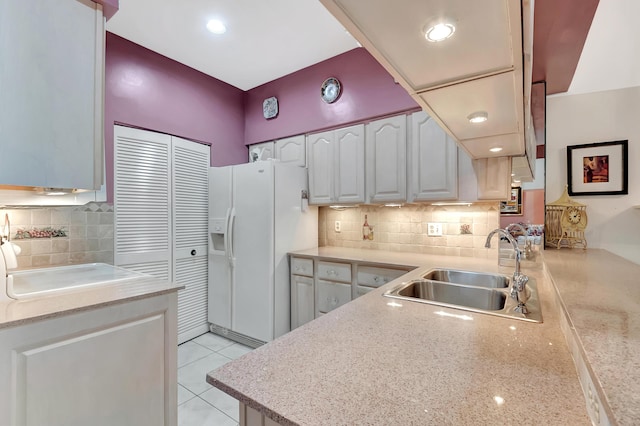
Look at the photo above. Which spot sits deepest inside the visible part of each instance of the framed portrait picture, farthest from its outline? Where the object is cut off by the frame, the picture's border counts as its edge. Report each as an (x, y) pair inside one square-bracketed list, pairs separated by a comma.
[(598, 168), (512, 206)]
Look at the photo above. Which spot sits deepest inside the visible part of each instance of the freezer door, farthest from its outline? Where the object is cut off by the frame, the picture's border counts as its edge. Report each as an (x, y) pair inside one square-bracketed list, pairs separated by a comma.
[(253, 248), (220, 269)]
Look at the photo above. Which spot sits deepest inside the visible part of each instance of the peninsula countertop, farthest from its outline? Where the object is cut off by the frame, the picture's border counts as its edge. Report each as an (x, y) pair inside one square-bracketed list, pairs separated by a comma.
[(601, 295), (18, 312), (371, 362)]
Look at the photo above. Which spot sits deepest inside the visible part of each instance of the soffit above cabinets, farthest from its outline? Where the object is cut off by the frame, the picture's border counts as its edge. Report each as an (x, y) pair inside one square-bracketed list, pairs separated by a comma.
[(482, 42), (479, 68), (496, 95)]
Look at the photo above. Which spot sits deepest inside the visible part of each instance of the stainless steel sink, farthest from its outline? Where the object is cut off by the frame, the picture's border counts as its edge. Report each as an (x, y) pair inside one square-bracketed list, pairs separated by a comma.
[(469, 291), (471, 297), (476, 279)]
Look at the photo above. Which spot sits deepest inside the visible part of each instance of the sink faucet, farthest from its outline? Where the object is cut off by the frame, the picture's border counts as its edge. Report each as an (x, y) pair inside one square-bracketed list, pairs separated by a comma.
[(519, 281)]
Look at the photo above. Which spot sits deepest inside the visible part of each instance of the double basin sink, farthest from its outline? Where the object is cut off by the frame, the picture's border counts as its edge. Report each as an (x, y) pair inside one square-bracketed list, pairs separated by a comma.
[(469, 291)]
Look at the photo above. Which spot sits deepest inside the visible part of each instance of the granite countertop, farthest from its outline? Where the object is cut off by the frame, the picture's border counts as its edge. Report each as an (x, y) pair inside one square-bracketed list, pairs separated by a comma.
[(600, 293), (18, 312), (369, 362)]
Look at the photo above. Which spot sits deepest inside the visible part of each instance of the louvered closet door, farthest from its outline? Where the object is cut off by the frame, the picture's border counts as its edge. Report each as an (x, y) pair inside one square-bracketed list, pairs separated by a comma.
[(142, 186), (190, 223)]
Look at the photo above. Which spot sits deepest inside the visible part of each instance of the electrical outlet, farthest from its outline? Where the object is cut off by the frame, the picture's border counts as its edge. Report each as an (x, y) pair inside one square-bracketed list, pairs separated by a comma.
[(337, 226), (434, 229)]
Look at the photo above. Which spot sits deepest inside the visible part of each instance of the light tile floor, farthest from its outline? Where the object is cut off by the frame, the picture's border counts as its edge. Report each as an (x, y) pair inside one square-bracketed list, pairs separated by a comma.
[(199, 403)]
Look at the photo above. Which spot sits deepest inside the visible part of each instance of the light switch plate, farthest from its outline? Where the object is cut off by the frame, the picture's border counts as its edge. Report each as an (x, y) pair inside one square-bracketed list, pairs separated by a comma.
[(434, 229), (337, 226)]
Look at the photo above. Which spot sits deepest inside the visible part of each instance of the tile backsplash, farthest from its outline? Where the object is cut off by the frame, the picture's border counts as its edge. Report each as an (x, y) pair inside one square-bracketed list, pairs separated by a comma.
[(88, 229), (464, 228)]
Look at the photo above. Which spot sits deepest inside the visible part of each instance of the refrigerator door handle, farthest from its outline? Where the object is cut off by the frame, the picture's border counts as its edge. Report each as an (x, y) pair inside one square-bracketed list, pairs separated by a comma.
[(232, 220), (226, 232)]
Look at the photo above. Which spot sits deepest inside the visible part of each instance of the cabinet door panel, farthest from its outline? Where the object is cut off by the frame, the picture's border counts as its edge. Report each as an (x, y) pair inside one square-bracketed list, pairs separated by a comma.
[(434, 161), (332, 295), (321, 163), (386, 159), (350, 159), (302, 309), (291, 150), (494, 178), (51, 56)]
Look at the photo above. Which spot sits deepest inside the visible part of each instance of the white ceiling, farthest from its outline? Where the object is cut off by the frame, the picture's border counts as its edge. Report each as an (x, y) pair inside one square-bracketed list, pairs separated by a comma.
[(266, 40)]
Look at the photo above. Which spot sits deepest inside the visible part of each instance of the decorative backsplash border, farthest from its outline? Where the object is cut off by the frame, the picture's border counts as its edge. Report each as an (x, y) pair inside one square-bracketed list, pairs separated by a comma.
[(88, 234)]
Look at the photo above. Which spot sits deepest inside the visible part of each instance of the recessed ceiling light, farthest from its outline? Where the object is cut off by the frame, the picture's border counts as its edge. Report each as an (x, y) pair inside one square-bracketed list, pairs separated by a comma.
[(478, 117), (439, 32), (496, 149), (216, 26)]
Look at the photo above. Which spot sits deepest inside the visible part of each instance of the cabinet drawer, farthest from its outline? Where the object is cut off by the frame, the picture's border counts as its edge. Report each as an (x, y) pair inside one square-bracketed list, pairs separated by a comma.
[(300, 266), (334, 271), (331, 295), (375, 277)]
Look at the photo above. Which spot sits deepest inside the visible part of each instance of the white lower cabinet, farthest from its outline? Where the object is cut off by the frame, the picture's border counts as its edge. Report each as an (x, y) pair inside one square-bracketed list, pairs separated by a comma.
[(316, 291), (114, 365), (373, 276), (302, 300), (251, 417), (333, 285), (332, 295)]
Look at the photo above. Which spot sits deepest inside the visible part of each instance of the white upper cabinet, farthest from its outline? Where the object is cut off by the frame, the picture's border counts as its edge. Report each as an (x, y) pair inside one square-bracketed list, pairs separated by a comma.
[(433, 162), (336, 166), (51, 93), (349, 180), (479, 68), (261, 151), (494, 178), (286, 150), (321, 165), (291, 150), (386, 154)]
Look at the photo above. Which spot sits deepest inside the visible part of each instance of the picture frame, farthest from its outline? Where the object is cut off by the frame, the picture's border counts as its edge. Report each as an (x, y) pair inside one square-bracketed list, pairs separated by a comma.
[(598, 168), (512, 206)]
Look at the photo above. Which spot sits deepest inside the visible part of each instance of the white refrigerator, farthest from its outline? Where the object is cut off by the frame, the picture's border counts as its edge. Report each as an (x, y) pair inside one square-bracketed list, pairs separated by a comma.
[(257, 213)]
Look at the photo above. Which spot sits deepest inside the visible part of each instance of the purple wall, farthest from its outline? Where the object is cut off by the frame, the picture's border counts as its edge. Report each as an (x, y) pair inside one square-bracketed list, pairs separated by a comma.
[(147, 90), (368, 91)]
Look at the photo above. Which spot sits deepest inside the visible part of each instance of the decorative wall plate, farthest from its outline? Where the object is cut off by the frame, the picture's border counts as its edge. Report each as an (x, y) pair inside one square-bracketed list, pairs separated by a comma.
[(330, 90), (270, 107)]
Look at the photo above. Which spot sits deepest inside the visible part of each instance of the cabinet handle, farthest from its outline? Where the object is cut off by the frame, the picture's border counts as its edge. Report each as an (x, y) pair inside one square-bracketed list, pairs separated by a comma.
[(193, 252)]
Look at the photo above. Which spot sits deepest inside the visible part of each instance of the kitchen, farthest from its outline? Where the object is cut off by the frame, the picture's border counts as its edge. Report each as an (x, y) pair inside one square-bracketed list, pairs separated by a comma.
[(616, 235)]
